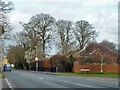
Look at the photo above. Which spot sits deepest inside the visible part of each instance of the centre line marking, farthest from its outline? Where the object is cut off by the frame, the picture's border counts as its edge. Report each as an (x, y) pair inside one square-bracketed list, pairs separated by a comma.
[(84, 85), (79, 84), (41, 78), (65, 81)]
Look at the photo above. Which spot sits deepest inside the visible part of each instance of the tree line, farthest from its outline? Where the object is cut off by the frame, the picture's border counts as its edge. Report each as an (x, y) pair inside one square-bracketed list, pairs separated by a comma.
[(43, 30)]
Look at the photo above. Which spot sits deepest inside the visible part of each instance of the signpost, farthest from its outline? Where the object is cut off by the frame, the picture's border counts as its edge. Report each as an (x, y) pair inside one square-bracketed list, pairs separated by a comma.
[(36, 59), (85, 70)]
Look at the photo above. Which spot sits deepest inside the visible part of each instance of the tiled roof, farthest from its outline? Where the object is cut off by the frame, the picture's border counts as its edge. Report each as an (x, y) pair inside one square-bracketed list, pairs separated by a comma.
[(85, 53), (94, 51), (80, 52)]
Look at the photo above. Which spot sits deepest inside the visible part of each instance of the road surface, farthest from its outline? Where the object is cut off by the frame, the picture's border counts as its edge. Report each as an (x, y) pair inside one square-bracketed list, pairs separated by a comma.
[(33, 79)]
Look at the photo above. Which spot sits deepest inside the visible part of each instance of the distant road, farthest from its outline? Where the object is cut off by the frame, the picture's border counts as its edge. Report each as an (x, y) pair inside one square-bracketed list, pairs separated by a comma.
[(33, 79)]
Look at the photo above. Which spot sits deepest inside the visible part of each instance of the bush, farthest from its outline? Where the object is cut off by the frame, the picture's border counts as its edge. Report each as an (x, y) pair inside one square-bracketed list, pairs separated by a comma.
[(59, 61), (19, 65), (69, 64)]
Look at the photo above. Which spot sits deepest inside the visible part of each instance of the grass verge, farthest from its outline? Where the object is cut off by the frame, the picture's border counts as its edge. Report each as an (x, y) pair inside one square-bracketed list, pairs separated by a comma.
[(113, 75), (2, 76)]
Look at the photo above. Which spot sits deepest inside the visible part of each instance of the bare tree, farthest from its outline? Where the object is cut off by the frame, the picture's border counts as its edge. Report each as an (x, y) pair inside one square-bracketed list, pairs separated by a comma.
[(64, 35), (5, 8), (108, 44), (4, 25), (39, 29), (16, 54), (22, 39), (84, 33)]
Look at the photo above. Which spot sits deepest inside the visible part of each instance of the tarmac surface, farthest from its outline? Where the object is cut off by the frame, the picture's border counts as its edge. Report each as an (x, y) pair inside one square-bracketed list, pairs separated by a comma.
[(35, 79), (4, 83)]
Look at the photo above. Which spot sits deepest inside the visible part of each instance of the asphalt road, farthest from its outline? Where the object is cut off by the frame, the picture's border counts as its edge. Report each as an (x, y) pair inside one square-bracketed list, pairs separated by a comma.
[(33, 79)]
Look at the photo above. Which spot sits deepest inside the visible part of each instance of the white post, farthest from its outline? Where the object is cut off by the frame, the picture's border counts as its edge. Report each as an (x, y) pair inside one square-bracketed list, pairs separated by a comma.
[(101, 68), (36, 59), (56, 69), (101, 64)]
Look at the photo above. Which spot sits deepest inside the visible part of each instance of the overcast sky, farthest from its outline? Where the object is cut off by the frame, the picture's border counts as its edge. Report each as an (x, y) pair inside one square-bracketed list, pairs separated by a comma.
[(102, 14)]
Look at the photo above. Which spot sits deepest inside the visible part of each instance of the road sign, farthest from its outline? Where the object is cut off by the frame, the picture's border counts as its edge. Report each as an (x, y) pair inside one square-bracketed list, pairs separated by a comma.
[(84, 69)]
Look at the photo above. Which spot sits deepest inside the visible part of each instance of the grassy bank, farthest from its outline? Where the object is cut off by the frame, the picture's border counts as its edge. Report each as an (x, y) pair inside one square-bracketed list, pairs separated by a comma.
[(114, 75), (1, 75)]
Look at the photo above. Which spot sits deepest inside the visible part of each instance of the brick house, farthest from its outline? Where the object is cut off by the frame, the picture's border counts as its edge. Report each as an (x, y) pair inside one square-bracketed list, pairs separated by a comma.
[(96, 55), (92, 58)]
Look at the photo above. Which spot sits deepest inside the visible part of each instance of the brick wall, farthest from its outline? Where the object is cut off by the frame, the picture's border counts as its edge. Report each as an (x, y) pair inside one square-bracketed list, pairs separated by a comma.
[(43, 65), (108, 68)]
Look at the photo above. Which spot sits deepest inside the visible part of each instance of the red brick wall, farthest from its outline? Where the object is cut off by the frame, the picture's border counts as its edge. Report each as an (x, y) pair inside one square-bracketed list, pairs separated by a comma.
[(108, 68), (46, 62), (111, 68), (43, 65)]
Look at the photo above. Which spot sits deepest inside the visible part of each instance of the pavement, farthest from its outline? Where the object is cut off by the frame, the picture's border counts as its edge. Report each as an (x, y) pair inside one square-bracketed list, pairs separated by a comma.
[(0, 83), (35, 79), (3, 83)]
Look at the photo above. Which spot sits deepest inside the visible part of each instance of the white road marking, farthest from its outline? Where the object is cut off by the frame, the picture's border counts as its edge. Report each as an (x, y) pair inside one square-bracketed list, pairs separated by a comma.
[(41, 78), (10, 86), (87, 79), (65, 81), (76, 84), (102, 81), (79, 84), (61, 76), (83, 85)]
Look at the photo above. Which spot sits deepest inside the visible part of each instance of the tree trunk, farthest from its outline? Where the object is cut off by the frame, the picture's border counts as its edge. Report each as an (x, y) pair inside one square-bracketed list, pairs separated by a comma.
[(34, 38), (43, 48)]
